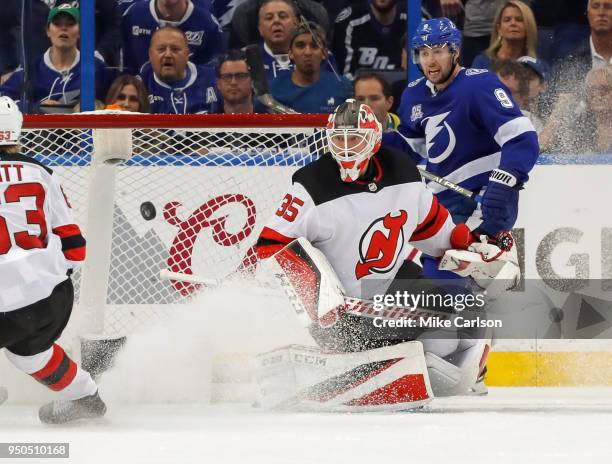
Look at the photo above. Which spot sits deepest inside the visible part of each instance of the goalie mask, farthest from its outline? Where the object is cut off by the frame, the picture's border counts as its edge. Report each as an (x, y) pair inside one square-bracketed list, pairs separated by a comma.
[(353, 136), (11, 120)]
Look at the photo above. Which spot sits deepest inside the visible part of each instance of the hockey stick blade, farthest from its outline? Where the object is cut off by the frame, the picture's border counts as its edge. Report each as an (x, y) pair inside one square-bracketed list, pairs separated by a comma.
[(165, 274), (450, 185)]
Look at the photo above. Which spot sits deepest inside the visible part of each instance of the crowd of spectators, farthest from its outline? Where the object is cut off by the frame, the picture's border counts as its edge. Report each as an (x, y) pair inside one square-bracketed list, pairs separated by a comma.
[(184, 56)]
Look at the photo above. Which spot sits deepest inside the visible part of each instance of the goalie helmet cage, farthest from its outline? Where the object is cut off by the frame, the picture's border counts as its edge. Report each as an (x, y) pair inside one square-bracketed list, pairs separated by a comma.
[(188, 193)]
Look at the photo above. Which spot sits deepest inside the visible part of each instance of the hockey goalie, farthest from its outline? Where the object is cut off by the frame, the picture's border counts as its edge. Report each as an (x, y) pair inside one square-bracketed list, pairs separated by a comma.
[(343, 234)]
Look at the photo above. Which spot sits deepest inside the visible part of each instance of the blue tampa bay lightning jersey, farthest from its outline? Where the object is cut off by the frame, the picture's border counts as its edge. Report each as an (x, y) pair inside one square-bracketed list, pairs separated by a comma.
[(195, 93), (140, 20), (275, 65), (51, 84), (321, 97), (464, 132), (208, 4), (281, 65)]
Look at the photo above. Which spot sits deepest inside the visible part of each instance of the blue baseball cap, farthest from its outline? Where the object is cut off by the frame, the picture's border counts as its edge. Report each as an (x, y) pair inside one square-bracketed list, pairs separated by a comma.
[(540, 68)]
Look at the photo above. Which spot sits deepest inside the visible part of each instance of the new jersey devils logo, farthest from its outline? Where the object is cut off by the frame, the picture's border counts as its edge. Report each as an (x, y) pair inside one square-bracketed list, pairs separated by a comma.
[(381, 244)]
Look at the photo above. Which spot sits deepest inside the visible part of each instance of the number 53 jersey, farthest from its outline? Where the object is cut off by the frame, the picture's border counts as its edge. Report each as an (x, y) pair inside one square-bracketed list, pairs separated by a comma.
[(39, 240), (366, 229)]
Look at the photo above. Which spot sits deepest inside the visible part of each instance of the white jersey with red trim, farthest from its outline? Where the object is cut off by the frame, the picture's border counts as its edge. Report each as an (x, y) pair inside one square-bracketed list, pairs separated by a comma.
[(365, 229), (39, 241)]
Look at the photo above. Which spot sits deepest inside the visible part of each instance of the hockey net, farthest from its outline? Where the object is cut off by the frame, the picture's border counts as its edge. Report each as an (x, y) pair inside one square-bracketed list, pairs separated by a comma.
[(191, 195)]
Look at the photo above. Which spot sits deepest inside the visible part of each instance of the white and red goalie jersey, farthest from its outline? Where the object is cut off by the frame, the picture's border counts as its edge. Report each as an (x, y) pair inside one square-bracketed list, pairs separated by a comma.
[(39, 240), (365, 229)]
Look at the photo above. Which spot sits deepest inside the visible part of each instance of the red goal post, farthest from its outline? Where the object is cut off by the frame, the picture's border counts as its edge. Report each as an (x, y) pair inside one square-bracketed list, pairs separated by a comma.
[(187, 193)]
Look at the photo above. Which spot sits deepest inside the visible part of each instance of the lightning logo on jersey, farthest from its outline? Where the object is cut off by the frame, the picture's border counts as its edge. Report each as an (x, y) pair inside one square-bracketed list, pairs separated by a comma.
[(435, 125)]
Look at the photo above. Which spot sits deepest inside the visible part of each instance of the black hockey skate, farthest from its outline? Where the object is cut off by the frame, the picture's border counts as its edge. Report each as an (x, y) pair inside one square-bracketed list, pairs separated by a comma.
[(60, 412)]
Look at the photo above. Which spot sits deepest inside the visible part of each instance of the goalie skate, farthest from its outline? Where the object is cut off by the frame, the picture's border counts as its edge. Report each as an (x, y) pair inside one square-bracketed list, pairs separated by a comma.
[(60, 412)]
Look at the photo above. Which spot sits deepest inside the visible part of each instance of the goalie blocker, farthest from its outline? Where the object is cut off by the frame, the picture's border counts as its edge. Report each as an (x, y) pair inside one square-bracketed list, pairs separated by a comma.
[(379, 374)]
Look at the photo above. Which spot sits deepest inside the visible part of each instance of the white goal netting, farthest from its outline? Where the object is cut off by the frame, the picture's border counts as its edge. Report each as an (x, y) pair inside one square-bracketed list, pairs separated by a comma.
[(190, 200)]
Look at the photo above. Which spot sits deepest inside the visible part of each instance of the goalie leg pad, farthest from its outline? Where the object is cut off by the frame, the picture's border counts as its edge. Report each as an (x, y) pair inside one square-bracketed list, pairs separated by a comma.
[(455, 374), (310, 283), (306, 378)]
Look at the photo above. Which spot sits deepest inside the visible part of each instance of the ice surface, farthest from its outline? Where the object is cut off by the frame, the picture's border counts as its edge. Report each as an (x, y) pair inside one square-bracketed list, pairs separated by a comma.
[(520, 425), (159, 411)]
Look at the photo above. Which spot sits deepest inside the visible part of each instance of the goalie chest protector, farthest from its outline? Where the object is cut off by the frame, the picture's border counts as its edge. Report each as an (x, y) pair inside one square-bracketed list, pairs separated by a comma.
[(363, 228)]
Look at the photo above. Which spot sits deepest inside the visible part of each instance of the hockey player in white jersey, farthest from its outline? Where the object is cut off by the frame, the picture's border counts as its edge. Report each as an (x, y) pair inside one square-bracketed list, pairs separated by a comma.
[(40, 245), (362, 206)]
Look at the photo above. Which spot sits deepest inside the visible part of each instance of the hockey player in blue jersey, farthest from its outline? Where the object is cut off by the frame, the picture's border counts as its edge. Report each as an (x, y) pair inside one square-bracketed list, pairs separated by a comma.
[(175, 85), (142, 18), (464, 124)]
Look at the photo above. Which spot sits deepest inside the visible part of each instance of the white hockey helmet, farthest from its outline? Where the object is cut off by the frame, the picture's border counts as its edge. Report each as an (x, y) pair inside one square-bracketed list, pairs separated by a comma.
[(11, 121), (353, 136)]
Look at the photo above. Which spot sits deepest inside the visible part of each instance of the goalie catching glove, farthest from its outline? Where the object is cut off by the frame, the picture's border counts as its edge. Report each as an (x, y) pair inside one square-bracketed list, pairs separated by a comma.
[(485, 260)]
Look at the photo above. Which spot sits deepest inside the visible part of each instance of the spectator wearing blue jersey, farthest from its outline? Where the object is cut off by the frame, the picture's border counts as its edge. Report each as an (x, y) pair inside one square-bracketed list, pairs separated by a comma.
[(276, 20), (142, 18), (309, 89), (514, 34), (175, 85), (123, 5), (56, 76), (466, 127), (366, 33)]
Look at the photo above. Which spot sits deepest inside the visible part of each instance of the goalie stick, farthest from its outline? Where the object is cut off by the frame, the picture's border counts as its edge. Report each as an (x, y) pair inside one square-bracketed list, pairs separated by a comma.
[(260, 82), (354, 306)]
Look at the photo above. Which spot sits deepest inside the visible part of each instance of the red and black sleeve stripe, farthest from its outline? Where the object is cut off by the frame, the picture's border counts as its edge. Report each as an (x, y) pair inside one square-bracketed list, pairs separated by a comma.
[(73, 242), (432, 223)]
